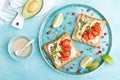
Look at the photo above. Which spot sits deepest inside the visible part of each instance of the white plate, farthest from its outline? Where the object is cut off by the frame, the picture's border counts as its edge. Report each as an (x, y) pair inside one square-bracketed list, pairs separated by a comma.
[(47, 5)]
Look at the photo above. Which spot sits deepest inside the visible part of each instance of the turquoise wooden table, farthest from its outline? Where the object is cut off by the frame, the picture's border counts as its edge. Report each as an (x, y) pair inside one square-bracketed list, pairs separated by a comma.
[(36, 68)]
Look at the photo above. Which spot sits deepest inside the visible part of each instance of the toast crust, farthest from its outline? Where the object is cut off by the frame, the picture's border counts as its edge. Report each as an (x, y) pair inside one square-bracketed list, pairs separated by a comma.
[(78, 53), (76, 28)]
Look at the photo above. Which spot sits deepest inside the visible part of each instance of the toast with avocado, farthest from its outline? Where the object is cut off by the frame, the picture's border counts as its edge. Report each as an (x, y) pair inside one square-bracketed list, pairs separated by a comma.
[(62, 50), (88, 30)]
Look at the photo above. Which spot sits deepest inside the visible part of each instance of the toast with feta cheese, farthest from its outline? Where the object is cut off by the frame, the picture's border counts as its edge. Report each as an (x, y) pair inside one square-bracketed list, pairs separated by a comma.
[(62, 50), (88, 30)]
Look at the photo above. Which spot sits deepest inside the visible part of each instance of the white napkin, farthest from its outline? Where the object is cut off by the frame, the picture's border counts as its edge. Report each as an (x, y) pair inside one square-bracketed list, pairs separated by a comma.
[(7, 12), (8, 9), (47, 5)]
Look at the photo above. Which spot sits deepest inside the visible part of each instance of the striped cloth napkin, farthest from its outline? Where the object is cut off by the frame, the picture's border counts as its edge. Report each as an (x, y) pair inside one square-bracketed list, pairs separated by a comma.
[(8, 9), (7, 12)]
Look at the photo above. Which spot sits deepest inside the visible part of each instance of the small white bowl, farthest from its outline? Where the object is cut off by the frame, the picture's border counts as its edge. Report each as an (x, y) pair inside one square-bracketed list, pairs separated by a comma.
[(12, 53)]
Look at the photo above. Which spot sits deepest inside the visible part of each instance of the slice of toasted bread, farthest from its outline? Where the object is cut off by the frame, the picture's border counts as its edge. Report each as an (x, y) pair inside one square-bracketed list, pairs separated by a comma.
[(80, 16), (76, 55)]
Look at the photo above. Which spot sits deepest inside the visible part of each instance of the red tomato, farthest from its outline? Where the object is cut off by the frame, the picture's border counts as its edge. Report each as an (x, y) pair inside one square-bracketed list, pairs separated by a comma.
[(91, 36), (95, 33), (65, 53), (97, 23), (88, 35), (85, 36), (65, 58), (96, 28), (67, 48), (87, 28), (65, 42)]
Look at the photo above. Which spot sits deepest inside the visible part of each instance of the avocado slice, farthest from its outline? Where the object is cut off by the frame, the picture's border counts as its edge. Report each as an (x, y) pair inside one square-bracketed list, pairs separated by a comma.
[(31, 8), (93, 22), (82, 30), (84, 27)]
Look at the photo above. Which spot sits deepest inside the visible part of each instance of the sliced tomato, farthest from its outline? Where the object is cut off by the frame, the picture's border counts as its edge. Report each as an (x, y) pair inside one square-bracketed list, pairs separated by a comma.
[(65, 42), (67, 48), (91, 36), (65, 53), (65, 58), (85, 36), (97, 23), (87, 28), (95, 33), (96, 28)]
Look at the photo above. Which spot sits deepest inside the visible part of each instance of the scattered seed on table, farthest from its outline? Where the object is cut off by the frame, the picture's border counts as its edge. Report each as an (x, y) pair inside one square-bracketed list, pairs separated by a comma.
[(46, 58), (82, 10), (103, 49), (88, 10), (71, 67), (105, 33), (90, 48), (73, 13), (81, 52), (69, 22), (91, 51), (65, 17), (51, 27), (63, 68), (92, 14), (64, 28), (48, 37), (48, 32), (87, 49), (99, 47), (56, 33), (67, 12), (78, 71), (67, 69), (102, 37), (73, 64), (99, 51), (107, 44), (103, 41)]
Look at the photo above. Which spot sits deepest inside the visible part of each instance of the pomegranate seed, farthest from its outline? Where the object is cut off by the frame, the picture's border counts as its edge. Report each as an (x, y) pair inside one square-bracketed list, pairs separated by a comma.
[(78, 70), (67, 69), (81, 52), (99, 47), (88, 10), (46, 58), (73, 64), (51, 26), (107, 44), (71, 67), (99, 51), (105, 34), (73, 13), (48, 32)]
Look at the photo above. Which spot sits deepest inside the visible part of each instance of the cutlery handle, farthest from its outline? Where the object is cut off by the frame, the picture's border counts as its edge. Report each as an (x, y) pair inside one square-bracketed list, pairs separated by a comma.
[(27, 45), (18, 21)]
